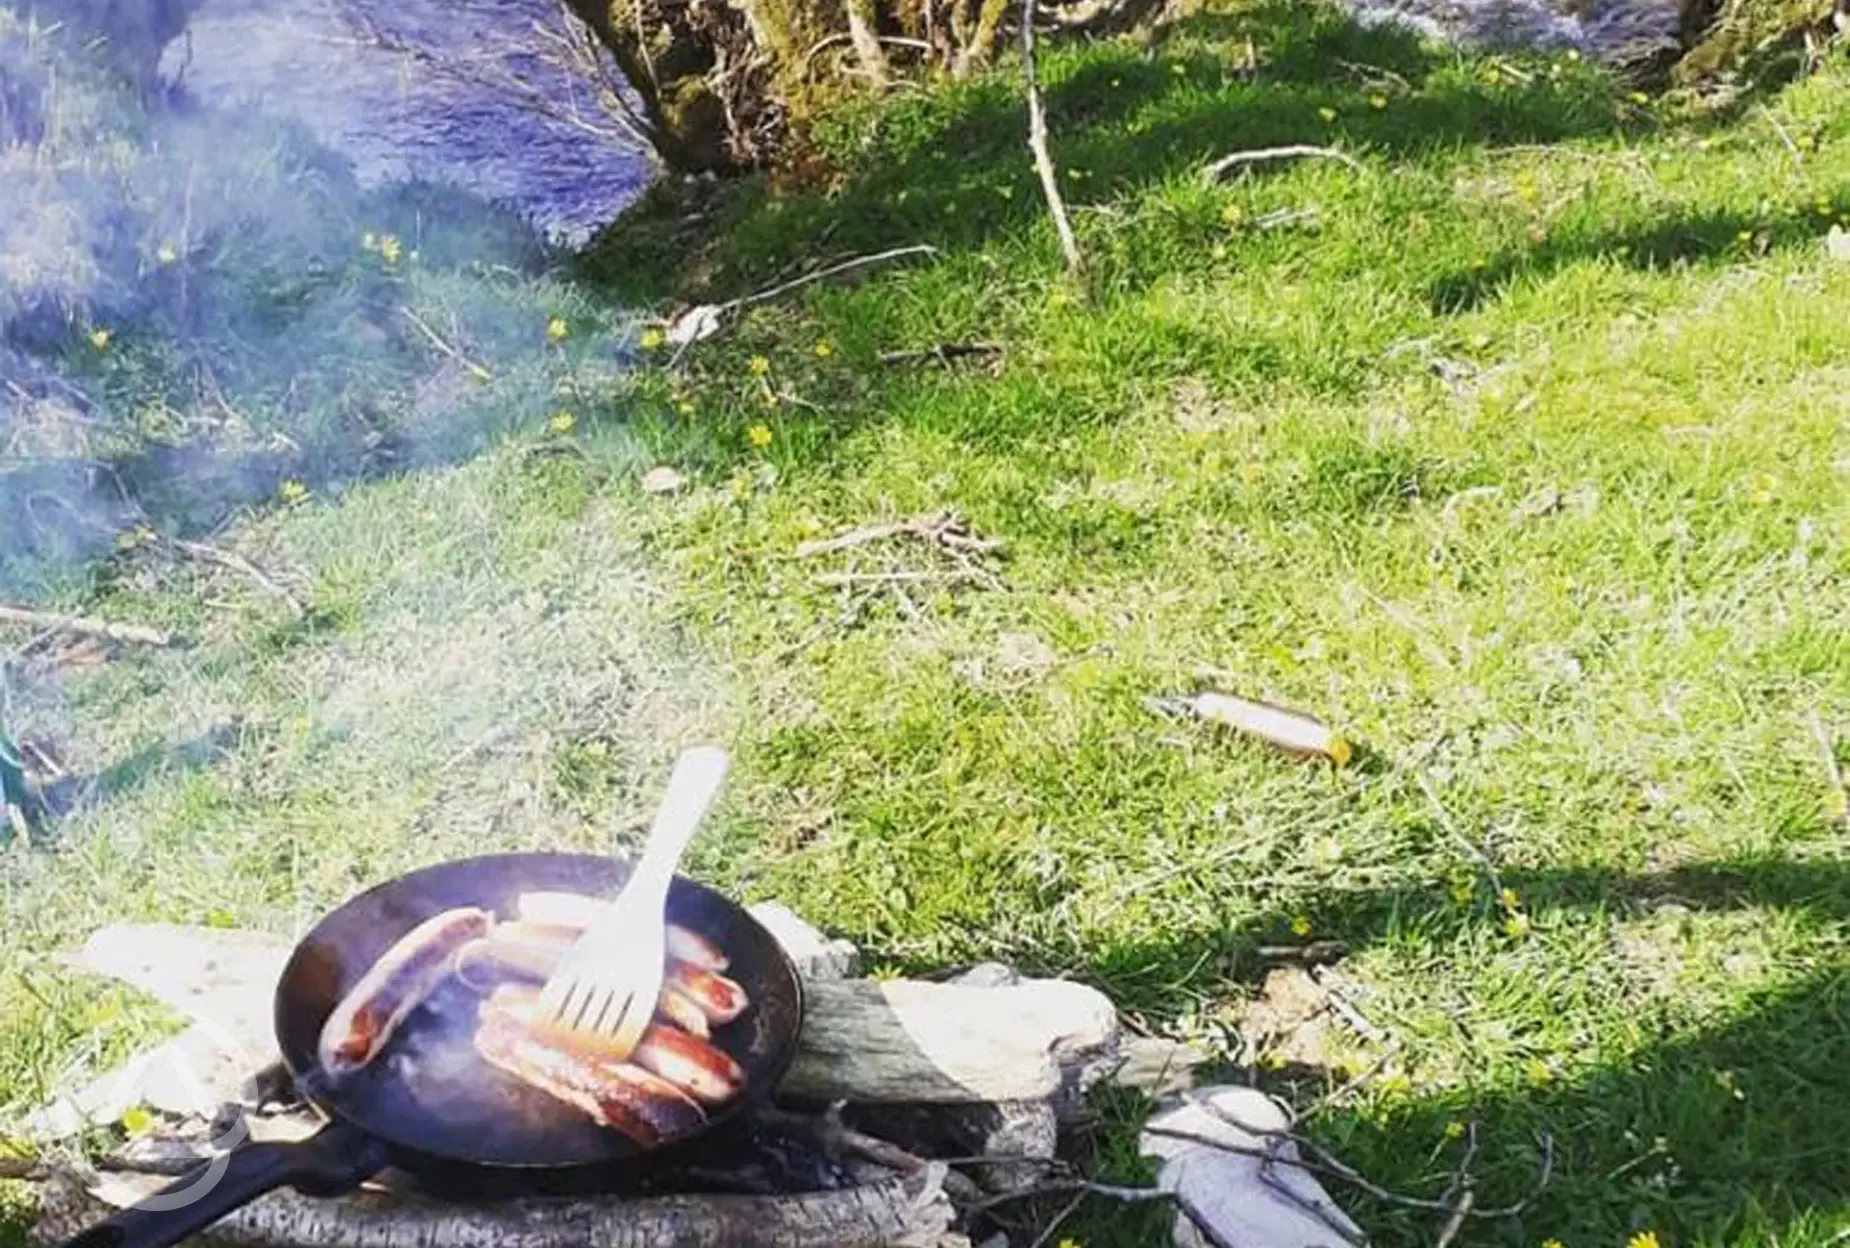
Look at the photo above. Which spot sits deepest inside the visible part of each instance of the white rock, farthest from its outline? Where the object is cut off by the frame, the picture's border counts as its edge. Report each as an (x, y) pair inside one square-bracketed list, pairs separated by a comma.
[(1226, 1190), (663, 480), (815, 955)]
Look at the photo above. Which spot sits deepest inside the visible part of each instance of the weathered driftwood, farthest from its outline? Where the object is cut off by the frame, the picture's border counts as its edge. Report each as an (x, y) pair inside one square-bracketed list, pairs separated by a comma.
[(899, 1212), (905, 1041)]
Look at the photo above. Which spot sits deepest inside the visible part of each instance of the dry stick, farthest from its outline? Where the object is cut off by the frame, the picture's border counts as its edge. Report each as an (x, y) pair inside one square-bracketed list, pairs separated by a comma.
[(1053, 1223), (943, 352), (134, 634), (1827, 750), (1037, 144), (719, 312), (1798, 157), (1461, 1192), (1319, 1161), (1471, 847), (955, 576), (436, 340), (238, 563), (1237, 160), (945, 529)]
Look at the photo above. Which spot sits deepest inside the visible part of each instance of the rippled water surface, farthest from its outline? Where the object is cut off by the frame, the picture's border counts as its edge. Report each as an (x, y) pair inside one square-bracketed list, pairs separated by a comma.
[(395, 117)]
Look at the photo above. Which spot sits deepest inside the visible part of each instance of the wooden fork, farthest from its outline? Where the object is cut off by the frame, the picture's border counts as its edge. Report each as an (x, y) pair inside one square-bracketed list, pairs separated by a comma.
[(607, 984)]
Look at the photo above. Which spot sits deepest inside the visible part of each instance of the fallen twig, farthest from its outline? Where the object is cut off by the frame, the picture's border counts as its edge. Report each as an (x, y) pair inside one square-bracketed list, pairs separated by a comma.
[(946, 529), (1037, 144), (1295, 151), (1310, 953), (1347, 1010), (943, 353), (704, 320), (238, 563), (1478, 852), (1462, 1192), (1318, 1161), (479, 371), (30, 1169), (1798, 157), (132, 634), (904, 577), (1827, 750)]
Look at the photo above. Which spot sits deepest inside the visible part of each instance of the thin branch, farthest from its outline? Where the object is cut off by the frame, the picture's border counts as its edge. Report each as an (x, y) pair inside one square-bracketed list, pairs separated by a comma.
[(833, 270), (1455, 1221), (1470, 846), (951, 576), (895, 40), (1798, 157), (238, 563), (1827, 750), (944, 529), (1053, 1223), (713, 317), (943, 353), (132, 634), (1037, 144), (480, 372), (1085, 1187), (1315, 1159), (1295, 151)]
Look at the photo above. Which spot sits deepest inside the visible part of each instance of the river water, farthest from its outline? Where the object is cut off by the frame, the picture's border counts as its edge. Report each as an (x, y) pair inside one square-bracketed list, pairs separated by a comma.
[(396, 117)]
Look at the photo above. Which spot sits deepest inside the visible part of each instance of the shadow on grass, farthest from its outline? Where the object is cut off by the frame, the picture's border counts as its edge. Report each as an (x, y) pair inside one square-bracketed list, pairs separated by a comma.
[(1689, 238), (951, 168), (1737, 1132)]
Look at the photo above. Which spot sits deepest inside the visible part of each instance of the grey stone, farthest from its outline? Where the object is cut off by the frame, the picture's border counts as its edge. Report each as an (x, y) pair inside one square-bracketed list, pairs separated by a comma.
[(816, 956), (1226, 1190)]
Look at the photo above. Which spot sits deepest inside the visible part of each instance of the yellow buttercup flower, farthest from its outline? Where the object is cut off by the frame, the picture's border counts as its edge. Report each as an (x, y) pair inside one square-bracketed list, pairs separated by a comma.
[(136, 1120), (1765, 487), (652, 339), (1553, 1243), (1328, 114), (1509, 899), (390, 248), (1377, 101), (1516, 926), (759, 435), (759, 365), (1455, 1130), (99, 338), (1536, 1072), (557, 329), (824, 350), (684, 407), (1300, 926), (562, 422), (1643, 1239), (292, 491)]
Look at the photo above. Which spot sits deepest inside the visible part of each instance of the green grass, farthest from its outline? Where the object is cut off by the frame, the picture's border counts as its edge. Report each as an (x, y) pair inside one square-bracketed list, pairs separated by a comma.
[(1525, 466)]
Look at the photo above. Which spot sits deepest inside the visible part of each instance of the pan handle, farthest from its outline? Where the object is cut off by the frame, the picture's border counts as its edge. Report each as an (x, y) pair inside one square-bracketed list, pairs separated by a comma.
[(335, 1159)]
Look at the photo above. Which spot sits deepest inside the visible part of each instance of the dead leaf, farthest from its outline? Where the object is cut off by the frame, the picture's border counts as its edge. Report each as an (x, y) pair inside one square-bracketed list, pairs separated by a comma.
[(1291, 731)]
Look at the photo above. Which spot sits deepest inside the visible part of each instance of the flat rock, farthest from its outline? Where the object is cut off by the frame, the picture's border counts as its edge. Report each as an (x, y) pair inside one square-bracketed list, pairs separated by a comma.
[(1227, 1191), (816, 956)]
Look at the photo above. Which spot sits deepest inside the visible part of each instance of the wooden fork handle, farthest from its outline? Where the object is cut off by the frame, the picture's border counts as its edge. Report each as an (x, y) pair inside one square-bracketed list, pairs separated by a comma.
[(694, 783)]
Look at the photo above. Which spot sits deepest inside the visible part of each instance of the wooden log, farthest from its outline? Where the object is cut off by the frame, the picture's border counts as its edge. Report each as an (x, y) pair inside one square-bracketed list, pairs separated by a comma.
[(899, 1212), (906, 1041), (863, 1041)]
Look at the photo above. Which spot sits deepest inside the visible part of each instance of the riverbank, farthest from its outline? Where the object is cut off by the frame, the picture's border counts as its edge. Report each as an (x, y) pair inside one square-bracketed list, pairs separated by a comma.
[(1515, 450)]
